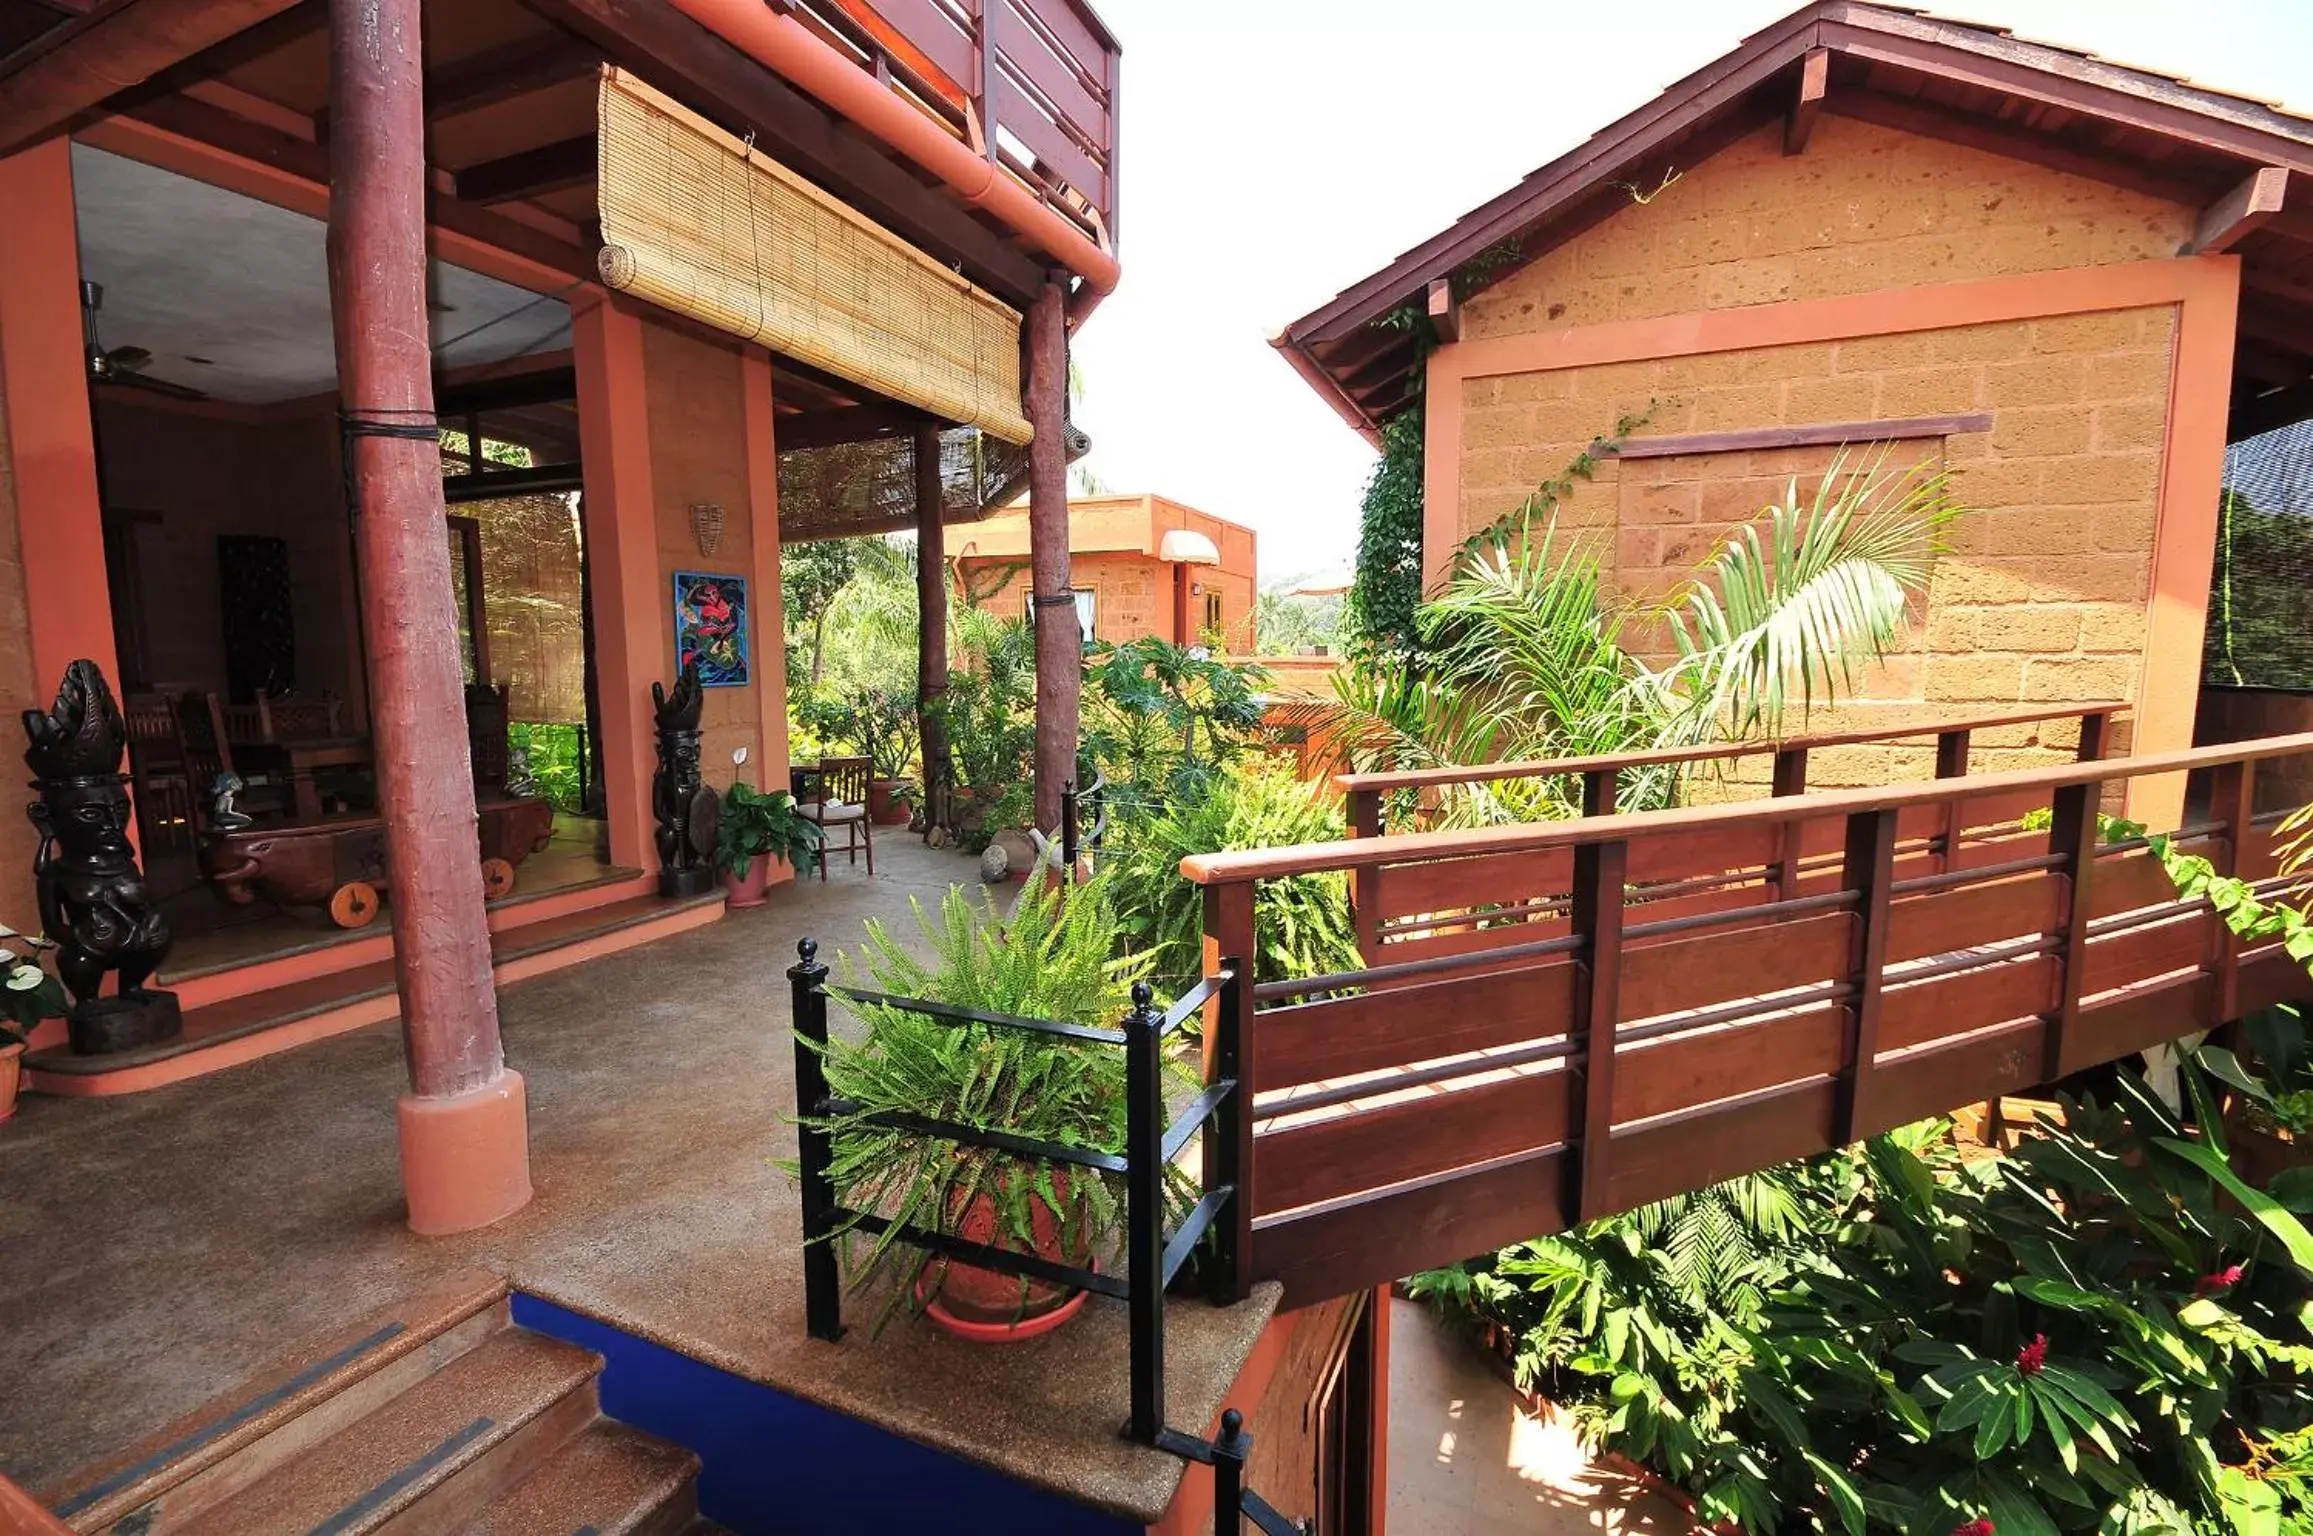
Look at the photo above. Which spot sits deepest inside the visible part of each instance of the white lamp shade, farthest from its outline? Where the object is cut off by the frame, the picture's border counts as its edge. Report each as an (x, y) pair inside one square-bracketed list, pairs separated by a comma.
[(1183, 547)]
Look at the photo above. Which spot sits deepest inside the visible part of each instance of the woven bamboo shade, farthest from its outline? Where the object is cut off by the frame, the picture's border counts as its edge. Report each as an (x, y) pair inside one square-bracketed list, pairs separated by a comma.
[(845, 490), (699, 223)]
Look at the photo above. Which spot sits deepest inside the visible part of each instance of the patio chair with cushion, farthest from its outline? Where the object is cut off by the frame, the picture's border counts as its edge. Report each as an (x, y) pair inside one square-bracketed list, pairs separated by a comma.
[(837, 797)]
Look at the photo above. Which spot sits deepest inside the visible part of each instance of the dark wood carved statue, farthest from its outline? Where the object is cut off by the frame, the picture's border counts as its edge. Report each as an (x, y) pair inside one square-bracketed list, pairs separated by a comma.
[(92, 896), (686, 809)]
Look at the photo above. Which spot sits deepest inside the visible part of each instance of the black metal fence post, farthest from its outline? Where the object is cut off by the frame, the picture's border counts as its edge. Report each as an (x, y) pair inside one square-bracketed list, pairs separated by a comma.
[(1229, 1453), (1069, 820), (1145, 1210), (822, 1287), (1229, 1143)]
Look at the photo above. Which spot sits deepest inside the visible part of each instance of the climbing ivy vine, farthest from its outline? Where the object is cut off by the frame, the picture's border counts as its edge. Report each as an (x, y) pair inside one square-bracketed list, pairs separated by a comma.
[(1379, 616)]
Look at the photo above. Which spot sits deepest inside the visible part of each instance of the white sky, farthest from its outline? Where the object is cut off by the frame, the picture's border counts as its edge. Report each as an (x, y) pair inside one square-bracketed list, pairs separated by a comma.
[(1274, 151)]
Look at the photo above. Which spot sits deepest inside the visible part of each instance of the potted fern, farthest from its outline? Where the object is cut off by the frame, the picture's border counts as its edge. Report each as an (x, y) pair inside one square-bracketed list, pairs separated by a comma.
[(1049, 959), (29, 995), (755, 829)]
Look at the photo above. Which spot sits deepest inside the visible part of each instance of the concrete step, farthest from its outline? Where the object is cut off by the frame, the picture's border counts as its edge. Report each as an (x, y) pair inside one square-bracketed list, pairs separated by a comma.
[(213, 1453), (435, 1456), (610, 1481)]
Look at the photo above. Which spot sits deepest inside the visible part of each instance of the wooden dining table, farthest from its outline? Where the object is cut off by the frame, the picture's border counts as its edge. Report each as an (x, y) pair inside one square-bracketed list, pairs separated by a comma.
[(298, 758)]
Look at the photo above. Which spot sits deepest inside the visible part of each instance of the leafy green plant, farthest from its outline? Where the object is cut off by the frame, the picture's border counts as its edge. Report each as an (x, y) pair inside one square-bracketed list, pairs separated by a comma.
[(551, 755), (1378, 618), (2104, 1331), (1047, 959), (1166, 718), (1525, 654), (1301, 924), (29, 995), (755, 823)]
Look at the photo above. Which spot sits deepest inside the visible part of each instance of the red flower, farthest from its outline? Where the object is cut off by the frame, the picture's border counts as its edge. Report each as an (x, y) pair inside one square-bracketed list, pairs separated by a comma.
[(2029, 1360), (2220, 1282), (1973, 1528)]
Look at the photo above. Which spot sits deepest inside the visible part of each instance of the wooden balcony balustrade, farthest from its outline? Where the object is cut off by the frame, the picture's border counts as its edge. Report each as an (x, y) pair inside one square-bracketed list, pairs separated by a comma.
[(1387, 915), (1032, 84), (1605, 1011)]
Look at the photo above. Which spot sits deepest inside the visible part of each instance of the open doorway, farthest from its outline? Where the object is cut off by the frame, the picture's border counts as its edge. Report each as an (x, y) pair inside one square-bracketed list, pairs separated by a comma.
[(230, 562)]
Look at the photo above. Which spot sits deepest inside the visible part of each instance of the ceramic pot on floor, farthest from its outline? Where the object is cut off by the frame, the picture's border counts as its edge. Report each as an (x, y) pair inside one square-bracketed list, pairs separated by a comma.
[(990, 1307), (11, 1077), (884, 806), (747, 890)]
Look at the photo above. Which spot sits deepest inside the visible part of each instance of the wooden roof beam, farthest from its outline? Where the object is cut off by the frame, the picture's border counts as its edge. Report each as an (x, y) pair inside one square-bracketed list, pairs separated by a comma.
[(530, 172), (852, 424), (2232, 218), (1814, 83), (1445, 310)]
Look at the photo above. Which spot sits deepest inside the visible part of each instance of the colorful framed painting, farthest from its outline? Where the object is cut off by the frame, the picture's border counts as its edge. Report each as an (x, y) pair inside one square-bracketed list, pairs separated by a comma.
[(711, 627)]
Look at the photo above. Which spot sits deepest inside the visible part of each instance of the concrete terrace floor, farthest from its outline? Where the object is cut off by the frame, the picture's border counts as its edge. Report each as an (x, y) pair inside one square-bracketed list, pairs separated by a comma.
[(158, 1249)]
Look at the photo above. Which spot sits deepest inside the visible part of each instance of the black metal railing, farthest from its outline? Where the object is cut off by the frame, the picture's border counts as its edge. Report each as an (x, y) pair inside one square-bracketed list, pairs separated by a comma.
[(1075, 837), (1154, 1256)]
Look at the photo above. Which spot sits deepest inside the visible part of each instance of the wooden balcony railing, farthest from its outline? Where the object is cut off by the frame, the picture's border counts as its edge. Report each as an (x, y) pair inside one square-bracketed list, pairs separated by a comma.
[(1032, 84), (1382, 912), (1605, 1011)]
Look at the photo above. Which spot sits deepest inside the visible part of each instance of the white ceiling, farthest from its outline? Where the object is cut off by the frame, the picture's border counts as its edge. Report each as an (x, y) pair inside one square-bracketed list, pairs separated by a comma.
[(193, 271)]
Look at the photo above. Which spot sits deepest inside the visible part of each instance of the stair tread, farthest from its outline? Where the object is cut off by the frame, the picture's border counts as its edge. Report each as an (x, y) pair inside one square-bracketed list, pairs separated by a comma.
[(609, 1480), (365, 1474), (231, 1018), (313, 1373)]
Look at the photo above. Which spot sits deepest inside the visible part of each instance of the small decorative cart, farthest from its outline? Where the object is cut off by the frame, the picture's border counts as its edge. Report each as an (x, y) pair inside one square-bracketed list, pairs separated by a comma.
[(339, 862)]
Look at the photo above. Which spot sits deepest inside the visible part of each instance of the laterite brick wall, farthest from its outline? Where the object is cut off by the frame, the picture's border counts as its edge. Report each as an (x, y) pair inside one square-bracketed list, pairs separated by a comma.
[(2044, 593)]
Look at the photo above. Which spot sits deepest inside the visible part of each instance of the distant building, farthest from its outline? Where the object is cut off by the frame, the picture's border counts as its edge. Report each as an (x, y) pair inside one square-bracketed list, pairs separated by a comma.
[(1140, 565)]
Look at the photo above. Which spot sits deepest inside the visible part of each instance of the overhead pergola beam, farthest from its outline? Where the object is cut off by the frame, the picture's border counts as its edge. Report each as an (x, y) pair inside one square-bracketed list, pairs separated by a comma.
[(500, 74), (853, 424), (1445, 310), (2232, 218), (553, 167), (1814, 84)]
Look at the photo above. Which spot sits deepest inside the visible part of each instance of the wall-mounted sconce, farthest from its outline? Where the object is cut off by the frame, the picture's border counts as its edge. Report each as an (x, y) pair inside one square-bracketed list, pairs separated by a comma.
[(707, 526)]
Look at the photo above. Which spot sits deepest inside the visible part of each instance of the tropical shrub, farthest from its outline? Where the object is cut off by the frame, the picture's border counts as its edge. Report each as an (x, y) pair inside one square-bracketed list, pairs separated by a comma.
[(553, 759), (1524, 653), (1164, 719), (2105, 1330), (753, 822), (1046, 959), (29, 995), (1301, 924)]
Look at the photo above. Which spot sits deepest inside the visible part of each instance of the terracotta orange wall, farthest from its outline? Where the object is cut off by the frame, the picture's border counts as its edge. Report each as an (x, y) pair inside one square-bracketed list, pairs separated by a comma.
[(202, 477), (18, 691), (1114, 539), (1882, 276)]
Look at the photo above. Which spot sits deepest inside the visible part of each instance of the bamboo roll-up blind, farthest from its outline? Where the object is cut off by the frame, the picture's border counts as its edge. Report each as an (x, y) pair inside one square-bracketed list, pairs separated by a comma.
[(699, 223)]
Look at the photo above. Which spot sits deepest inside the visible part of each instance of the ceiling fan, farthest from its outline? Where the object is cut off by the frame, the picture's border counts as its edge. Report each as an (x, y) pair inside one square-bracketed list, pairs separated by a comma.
[(121, 365)]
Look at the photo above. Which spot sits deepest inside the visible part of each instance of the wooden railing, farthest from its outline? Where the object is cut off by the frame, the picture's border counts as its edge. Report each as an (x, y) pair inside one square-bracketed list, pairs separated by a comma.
[(1609, 1010), (1032, 84), (1383, 912)]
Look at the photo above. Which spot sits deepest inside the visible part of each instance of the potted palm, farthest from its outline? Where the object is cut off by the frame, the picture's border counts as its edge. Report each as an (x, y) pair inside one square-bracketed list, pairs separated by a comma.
[(1048, 959), (755, 829), (28, 996)]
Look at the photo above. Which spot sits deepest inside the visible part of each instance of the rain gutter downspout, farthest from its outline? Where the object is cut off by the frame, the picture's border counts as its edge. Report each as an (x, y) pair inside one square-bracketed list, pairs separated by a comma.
[(788, 48)]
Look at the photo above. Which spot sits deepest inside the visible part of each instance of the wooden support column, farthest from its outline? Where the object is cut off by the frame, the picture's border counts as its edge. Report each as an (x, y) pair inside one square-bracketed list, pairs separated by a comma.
[(464, 1130), (768, 767), (1600, 871), (931, 611), (1059, 642)]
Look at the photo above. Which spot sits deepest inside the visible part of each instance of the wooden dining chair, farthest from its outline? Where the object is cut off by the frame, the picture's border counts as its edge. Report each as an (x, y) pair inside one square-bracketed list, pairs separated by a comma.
[(164, 793), (290, 718), (205, 746), (839, 799)]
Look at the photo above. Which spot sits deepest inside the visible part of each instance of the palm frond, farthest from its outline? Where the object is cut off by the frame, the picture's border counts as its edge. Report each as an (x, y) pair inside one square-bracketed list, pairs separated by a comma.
[(1802, 612)]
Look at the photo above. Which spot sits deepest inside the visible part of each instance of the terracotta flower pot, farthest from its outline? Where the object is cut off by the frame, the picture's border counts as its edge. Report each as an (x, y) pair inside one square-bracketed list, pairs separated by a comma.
[(884, 806), (990, 1307), (747, 890), (11, 1077)]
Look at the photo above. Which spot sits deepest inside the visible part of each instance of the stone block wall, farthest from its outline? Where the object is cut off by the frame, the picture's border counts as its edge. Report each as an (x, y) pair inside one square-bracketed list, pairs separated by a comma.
[(2043, 593)]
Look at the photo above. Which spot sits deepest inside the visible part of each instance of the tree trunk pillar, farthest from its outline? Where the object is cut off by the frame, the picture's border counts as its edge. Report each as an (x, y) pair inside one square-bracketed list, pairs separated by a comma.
[(931, 616), (463, 1124), (1059, 641)]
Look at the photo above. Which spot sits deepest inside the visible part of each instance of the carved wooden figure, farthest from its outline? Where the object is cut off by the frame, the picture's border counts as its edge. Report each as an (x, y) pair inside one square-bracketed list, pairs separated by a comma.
[(686, 810), (92, 895)]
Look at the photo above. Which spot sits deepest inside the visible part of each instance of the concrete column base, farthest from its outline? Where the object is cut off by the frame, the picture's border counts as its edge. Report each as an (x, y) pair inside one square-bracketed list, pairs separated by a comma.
[(466, 1159)]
